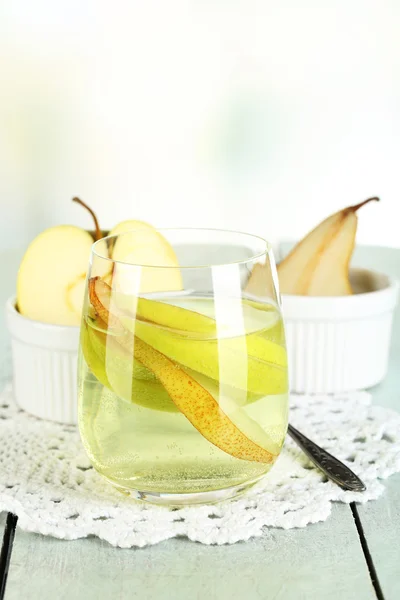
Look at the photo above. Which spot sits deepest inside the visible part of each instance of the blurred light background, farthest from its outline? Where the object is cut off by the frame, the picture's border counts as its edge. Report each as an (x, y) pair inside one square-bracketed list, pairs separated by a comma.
[(253, 115)]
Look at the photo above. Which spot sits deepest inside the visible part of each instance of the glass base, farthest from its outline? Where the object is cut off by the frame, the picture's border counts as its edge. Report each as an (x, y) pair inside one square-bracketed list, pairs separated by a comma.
[(179, 500)]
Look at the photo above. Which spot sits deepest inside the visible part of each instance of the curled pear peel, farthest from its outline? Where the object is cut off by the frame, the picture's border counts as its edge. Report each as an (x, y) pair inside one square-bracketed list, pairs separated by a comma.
[(319, 264), (100, 299), (191, 398), (200, 407), (237, 404)]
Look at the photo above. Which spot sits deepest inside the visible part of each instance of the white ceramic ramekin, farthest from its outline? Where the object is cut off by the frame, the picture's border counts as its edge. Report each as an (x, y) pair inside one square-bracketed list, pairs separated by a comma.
[(44, 366), (334, 345), (338, 344)]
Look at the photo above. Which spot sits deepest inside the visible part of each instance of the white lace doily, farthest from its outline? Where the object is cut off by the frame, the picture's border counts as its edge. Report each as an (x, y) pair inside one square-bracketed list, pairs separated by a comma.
[(46, 479)]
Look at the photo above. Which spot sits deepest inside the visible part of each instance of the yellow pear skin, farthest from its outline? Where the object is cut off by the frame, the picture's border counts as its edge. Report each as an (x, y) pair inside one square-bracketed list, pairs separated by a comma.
[(192, 399), (319, 264), (200, 407)]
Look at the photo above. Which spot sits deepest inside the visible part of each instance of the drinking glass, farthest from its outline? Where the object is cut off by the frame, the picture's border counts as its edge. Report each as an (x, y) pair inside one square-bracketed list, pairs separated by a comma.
[(183, 384)]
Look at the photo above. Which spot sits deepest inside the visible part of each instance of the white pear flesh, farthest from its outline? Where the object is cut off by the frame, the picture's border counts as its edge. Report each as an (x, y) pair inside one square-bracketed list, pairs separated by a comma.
[(131, 225), (145, 247), (319, 264), (51, 277)]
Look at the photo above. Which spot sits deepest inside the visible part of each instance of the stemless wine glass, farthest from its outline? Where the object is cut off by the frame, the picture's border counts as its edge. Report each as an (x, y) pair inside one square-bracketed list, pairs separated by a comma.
[(183, 385)]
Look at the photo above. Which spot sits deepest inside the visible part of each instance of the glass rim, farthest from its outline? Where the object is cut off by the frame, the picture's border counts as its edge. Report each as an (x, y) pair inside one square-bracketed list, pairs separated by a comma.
[(266, 250)]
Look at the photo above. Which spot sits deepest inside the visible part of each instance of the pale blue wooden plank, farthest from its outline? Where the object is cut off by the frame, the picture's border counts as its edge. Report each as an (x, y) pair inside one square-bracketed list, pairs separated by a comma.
[(323, 561), (381, 525), (381, 519)]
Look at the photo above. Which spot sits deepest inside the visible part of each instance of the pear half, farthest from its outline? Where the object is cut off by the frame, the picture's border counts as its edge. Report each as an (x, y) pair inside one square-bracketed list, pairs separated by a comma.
[(190, 397), (52, 276), (54, 264), (319, 264)]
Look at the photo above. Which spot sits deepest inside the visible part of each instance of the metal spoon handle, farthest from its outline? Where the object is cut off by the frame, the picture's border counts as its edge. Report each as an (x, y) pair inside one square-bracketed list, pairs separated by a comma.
[(331, 466)]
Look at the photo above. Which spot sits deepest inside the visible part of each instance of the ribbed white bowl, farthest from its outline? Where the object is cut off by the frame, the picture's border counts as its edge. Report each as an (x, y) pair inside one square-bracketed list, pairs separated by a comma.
[(334, 345), (338, 344), (44, 366)]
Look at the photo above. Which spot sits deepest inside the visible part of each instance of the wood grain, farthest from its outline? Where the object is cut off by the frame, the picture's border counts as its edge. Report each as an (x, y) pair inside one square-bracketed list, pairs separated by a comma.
[(320, 561), (381, 524), (6, 551), (381, 519)]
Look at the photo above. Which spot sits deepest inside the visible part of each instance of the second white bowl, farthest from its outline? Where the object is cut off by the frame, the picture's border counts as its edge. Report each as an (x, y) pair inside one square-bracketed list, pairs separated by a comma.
[(338, 344)]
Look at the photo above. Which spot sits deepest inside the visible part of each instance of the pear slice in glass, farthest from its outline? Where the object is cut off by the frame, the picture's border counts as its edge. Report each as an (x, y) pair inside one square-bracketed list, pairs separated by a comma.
[(192, 399)]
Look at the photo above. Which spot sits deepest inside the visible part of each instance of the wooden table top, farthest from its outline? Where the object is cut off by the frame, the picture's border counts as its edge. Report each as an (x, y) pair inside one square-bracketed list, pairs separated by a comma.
[(355, 554)]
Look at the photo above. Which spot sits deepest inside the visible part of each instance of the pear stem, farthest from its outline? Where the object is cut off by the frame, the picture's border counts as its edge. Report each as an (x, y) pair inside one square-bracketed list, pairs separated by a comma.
[(97, 235), (357, 206)]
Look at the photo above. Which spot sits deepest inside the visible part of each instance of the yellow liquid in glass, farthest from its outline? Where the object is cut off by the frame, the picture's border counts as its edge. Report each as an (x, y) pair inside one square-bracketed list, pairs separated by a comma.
[(132, 430)]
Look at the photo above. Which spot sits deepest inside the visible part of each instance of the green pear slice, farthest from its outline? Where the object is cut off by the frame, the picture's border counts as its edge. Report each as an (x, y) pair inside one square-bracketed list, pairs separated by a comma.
[(252, 362), (169, 329), (175, 317), (106, 346), (192, 399), (197, 324), (116, 369)]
